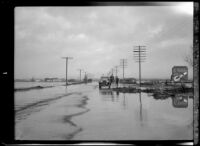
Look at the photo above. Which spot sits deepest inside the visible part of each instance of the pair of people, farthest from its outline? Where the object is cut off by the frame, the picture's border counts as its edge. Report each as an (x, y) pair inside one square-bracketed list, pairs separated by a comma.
[(112, 80)]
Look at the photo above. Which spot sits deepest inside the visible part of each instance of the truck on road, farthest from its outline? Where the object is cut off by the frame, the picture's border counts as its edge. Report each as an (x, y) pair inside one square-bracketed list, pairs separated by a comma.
[(104, 81)]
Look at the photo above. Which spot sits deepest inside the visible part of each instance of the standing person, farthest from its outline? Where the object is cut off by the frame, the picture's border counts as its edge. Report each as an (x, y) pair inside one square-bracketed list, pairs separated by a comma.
[(85, 79), (117, 81), (111, 79)]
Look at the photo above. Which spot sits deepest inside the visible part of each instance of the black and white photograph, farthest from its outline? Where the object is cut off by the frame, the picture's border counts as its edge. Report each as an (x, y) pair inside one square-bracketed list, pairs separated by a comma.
[(104, 72)]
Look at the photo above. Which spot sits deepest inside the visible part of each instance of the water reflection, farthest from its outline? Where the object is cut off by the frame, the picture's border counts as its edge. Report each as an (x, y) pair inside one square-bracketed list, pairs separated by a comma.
[(180, 101), (141, 105), (66, 91), (106, 92), (160, 96), (107, 95), (117, 96), (149, 94), (117, 93), (124, 101), (141, 118)]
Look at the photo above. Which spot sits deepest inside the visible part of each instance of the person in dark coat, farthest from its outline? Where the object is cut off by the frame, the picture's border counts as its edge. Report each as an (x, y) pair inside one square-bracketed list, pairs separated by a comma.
[(111, 79), (117, 81)]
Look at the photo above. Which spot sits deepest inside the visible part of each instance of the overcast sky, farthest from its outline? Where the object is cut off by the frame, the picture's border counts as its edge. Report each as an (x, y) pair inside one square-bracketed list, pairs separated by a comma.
[(98, 37)]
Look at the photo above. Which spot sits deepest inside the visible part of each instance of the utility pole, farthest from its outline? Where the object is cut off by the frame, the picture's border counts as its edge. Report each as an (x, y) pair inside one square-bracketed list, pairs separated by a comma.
[(108, 73), (66, 65), (116, 70), (139, 55), (112, 70), (80, 73), (85, 78), (123, 64), (85, 75)]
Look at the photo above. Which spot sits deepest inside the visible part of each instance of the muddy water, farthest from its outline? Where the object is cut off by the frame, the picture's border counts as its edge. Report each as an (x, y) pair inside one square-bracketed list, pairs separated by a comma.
[(125, 116)]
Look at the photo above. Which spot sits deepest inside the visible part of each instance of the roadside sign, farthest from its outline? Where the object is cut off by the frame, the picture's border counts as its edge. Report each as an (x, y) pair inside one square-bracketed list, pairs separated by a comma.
[(179, 74)]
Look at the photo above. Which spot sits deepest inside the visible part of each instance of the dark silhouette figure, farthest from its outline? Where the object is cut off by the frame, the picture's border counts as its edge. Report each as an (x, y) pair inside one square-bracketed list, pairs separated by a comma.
[(111, 79), (117, 81)]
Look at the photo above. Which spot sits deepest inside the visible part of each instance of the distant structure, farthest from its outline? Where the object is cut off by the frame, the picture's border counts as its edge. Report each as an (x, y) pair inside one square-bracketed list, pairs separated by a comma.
[(32, 79), (50, 79), (128, 81), (179, 74)]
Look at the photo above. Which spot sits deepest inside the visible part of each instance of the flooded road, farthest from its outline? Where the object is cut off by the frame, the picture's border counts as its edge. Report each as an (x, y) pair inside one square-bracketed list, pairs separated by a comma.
[(83, 112)]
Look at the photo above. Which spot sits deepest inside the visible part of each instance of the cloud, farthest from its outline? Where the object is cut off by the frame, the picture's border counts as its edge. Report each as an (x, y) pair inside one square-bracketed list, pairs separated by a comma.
[(185, 7), (97, 38)]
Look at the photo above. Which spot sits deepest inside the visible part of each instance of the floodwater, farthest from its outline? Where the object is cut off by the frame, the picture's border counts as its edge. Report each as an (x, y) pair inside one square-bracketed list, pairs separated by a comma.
[(83, 112), (19, 85)]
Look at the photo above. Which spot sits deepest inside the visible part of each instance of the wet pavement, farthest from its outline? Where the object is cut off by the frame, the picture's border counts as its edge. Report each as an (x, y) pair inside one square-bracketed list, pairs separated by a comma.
[(84, 112)]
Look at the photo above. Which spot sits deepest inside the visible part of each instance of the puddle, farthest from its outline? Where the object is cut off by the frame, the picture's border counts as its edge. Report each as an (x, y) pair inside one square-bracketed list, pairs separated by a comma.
[(139, 116)]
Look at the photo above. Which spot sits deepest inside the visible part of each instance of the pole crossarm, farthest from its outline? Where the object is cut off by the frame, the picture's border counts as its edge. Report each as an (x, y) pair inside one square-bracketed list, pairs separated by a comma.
[(139, 51), (140, 56), (139, 46), (67, 57)]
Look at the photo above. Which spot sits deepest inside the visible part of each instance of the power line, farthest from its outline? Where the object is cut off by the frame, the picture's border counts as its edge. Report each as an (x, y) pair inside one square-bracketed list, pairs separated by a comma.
[(67, 58)]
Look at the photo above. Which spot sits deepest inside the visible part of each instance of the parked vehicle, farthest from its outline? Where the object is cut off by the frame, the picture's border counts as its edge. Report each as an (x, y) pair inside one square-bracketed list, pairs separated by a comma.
[(104, 81)]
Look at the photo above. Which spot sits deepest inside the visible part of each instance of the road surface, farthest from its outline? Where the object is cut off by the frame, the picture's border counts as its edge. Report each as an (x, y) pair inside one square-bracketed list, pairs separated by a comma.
[(83, 112)]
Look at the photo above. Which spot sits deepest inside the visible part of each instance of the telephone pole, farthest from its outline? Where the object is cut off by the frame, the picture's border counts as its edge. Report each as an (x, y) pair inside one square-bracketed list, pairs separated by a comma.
[(85, 78), (123, 64), (116, 70), (66, 65), (139, 55), (112, 70), (80, 73)]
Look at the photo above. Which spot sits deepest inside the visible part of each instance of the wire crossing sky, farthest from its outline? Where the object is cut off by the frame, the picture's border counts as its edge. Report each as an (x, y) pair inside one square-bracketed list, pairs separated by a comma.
[(98, 37)]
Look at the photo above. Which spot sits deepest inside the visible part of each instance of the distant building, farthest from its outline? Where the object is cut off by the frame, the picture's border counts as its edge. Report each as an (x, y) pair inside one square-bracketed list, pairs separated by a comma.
[(22, 80), (128, 80), (32, 80), (89, 80), (38, 80), (179, 74), (50, 79), (72, 80)]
